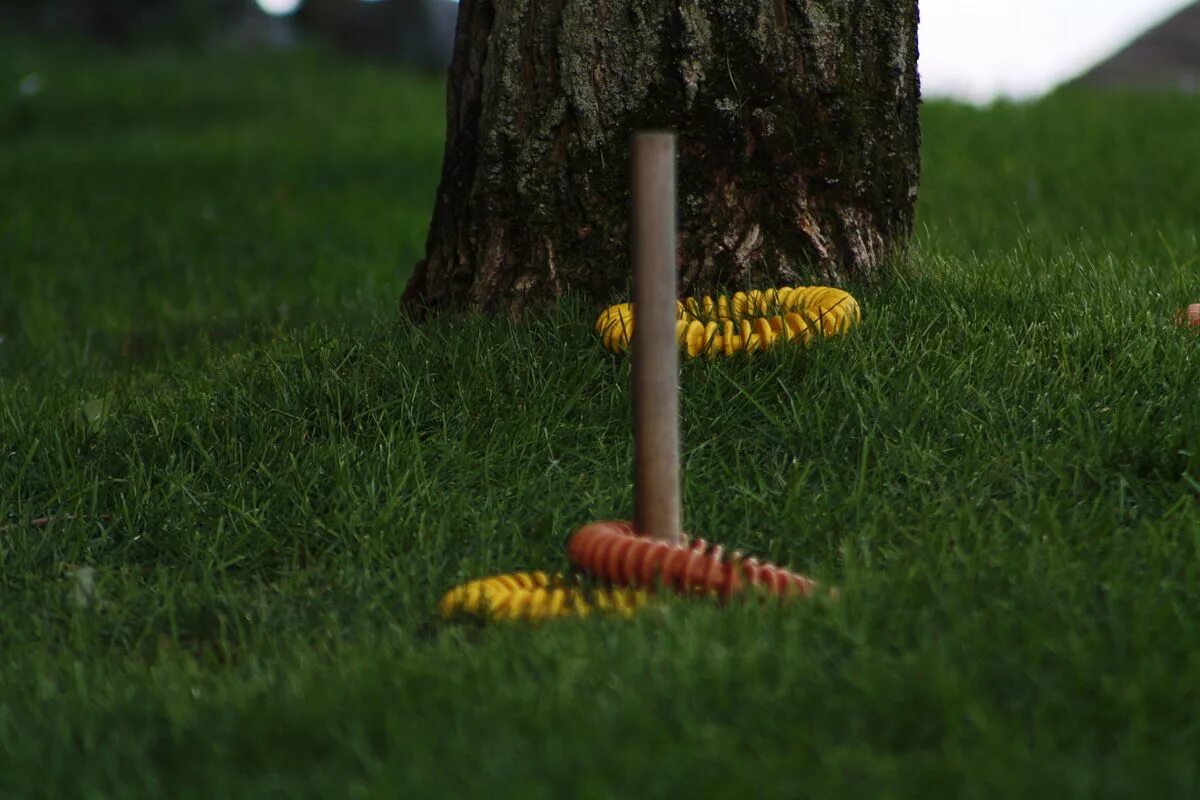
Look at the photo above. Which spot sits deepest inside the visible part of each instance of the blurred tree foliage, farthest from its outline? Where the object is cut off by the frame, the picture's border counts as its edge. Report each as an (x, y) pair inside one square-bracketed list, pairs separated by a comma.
[(123, 22), (414, 32), (417, 32)]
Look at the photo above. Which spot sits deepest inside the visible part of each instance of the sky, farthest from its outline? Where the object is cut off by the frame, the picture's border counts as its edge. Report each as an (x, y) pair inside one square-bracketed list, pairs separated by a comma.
[(978, 50)]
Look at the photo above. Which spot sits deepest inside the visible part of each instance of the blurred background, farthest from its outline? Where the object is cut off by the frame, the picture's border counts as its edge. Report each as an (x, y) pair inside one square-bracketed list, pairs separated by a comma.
[(416, 33), (971, 50), (978, 50)]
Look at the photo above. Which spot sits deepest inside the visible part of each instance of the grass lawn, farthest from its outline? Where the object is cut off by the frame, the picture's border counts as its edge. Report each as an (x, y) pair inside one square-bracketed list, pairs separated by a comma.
[(199, 265)]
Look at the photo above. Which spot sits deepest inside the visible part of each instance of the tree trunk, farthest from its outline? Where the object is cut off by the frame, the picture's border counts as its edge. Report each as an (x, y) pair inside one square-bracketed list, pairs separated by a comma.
[(798, 144)]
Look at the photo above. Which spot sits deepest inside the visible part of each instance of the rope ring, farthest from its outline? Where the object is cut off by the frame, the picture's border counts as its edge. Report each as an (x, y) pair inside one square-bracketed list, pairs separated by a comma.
[(613, 552)]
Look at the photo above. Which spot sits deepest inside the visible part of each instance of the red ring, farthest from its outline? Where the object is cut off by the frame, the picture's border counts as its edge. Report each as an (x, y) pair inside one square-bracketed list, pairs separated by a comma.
[(613, 552)]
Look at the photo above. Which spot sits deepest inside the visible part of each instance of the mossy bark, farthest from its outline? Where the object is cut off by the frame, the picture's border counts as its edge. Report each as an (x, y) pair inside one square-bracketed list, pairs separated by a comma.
[(798, 144)]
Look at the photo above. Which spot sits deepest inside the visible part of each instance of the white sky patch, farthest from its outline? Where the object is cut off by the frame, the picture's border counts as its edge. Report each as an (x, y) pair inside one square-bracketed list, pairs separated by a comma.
[(979, 50), (279, 7)]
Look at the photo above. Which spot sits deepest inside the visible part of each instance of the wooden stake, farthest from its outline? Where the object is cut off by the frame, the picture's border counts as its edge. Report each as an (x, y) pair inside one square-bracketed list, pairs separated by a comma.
[(656, 505)]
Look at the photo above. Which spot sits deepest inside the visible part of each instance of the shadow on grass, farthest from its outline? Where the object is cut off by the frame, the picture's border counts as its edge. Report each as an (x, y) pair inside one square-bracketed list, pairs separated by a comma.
[(146, 346)]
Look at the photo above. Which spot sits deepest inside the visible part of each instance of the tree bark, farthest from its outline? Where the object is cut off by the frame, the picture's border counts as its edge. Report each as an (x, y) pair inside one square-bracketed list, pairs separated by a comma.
[(798, 144)]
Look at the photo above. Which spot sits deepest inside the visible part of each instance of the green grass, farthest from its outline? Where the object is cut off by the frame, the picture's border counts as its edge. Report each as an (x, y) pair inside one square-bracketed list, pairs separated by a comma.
[(199, 264)]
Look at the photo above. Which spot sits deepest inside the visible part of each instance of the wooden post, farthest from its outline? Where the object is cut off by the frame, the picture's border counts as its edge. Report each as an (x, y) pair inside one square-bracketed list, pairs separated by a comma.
[(656, 505)]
